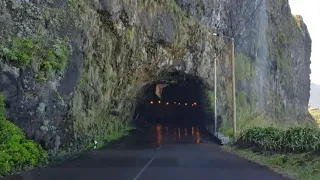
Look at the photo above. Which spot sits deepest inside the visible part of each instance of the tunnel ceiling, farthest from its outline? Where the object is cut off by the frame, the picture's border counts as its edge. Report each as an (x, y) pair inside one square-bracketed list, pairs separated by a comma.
[(178, 78)]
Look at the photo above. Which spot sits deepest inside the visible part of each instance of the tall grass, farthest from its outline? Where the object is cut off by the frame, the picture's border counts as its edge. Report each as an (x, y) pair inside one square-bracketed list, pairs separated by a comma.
[(248, 118), (289, 147), (294, 139)]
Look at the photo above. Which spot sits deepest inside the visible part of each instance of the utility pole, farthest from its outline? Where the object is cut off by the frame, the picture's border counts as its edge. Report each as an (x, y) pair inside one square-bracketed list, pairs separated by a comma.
[(234, 114), (215, 96)]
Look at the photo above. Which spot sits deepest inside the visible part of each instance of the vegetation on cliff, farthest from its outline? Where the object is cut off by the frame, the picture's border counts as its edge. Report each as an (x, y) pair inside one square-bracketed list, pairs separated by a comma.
[(246, 115), (48, 58), (16, 152)]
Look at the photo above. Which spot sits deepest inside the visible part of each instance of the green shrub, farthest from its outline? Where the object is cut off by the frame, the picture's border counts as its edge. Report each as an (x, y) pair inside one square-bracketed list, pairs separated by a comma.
[(20, 50), (295, 139), (16, 152), (50, 58)]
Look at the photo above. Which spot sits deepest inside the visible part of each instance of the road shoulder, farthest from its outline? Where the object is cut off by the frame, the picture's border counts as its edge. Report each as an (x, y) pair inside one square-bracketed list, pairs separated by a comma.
[(294, 166)]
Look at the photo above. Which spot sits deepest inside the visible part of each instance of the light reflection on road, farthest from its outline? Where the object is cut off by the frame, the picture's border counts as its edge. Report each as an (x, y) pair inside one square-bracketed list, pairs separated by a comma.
[(166, 134), (198, 135), (159, 134)]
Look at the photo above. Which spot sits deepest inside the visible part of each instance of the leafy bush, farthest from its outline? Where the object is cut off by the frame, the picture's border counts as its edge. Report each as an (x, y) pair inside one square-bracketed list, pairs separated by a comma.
[(295, 139), (16, 152), (50, 58)]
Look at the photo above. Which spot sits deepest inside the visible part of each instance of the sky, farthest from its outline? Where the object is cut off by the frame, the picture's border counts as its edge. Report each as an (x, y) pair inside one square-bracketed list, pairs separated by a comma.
[(310, 12)]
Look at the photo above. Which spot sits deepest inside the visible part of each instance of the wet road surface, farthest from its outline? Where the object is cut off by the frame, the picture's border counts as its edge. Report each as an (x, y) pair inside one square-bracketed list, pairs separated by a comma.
[(157, 153)]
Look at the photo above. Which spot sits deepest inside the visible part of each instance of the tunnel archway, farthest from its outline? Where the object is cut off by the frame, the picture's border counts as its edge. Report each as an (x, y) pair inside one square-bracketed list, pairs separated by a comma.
[(183, 102)]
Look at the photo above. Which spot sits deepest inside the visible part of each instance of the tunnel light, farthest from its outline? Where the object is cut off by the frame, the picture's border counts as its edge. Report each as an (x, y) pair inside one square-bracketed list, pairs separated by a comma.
[(151, 102), (186, 104), (159, 102), (167, 103), (192, 105), (179, 104), (175, 102), (195, 103)]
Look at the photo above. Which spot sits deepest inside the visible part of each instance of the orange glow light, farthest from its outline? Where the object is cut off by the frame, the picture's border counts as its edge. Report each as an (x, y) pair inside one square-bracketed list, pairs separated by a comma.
[(195, 103), (159, 102), (151, 102)]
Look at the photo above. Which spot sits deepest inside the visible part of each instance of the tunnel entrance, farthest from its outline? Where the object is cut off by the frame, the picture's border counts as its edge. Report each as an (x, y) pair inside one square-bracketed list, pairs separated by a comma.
[(182, 102)]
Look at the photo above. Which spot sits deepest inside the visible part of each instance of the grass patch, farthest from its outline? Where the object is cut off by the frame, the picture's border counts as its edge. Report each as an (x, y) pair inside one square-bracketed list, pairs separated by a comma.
[(294, 139), (316, 115), (305, 166), (292, 151), (16, 152), (112, 137)]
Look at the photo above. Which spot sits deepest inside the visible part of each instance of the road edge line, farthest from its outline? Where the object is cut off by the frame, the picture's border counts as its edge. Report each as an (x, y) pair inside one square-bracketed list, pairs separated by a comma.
[(146, 166)]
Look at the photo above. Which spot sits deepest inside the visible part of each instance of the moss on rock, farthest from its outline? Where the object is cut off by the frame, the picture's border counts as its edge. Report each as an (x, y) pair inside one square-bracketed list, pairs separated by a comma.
[(47, 58), (245, 68)]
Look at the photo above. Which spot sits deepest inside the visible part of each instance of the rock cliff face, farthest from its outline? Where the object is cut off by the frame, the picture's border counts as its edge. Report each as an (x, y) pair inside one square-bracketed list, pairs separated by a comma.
[(71, 71)]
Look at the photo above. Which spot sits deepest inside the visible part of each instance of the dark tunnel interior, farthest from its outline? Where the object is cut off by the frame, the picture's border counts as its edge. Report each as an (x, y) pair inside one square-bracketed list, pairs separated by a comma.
[(182, 103)]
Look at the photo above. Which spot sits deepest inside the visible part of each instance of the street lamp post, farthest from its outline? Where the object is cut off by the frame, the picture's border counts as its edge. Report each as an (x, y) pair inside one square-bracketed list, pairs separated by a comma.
[(234, 117), (215, 96)]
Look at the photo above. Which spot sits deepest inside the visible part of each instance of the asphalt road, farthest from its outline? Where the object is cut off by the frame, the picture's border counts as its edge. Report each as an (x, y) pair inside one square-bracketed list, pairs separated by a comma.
[(156, 153)]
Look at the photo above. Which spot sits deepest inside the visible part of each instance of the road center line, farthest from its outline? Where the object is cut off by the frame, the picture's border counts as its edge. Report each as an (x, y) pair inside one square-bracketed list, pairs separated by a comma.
[(145, 167)]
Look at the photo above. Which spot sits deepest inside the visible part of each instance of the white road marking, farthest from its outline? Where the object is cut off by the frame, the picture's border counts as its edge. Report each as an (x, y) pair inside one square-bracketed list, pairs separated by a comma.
[(138, 175), (145, 167)]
